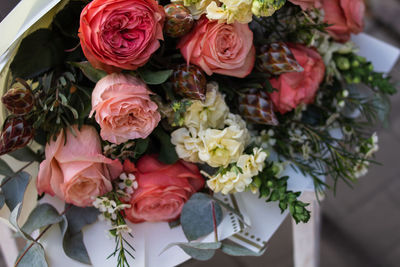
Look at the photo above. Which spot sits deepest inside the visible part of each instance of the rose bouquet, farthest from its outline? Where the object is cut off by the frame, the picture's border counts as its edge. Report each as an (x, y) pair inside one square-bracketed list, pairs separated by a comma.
[(146, 111)]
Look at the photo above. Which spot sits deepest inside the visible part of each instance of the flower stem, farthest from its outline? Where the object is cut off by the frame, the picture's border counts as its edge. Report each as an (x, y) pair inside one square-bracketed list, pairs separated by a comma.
[(214, 221)]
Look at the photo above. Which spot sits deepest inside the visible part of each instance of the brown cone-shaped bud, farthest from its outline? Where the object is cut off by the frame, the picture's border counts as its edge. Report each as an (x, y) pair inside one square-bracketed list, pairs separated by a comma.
[(17, 133), (189, 81), (19, 100), (179, 21), (276, 58), (256, 106)]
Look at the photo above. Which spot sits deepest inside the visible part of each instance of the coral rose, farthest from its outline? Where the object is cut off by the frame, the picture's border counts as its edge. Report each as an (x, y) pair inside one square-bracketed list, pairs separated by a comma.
[(307, 4), (123, 108), (346, 17), (220, 48), (121, 34), (75, 169), (298, 87), (163, 189)]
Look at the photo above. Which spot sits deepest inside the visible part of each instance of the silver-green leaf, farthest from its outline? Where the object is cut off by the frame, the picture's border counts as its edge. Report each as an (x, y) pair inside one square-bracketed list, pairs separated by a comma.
[(14, 189), (197, 216), (236, 250), (42, 216), (155, 77), (5, 169), (89, 71), (33, 257)]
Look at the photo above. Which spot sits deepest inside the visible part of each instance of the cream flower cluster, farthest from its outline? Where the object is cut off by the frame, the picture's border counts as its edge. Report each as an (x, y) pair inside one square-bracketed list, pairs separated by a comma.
[(240, 176), (230, 11), (211, 134)]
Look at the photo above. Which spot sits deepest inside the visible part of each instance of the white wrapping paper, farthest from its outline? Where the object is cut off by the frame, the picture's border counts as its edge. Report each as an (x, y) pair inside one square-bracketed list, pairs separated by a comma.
[(151, 238)]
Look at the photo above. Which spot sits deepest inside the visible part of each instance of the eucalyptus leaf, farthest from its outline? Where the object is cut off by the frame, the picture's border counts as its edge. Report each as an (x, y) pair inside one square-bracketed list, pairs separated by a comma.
[(25, 154), (33, 257), (2, 199), (5, 169), (197, 250), (167, 150), (230, 209), (236, 250), (89, 71), (41, 216), (15, 188), (154, 77), (197, 216), (14, 221), (71, 227)]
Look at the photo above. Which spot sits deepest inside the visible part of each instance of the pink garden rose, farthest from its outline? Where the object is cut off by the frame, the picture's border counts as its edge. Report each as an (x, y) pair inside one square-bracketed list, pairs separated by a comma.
[(295, 88), (220, 48), (75, 169), (307, 4), (121, 34), (346, 17), (163, 189), (123, 108)]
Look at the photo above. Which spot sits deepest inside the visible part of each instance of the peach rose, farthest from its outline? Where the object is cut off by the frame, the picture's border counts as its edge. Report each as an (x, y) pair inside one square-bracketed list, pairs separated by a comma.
[(307, 4), (346, 17), (121, 34), (299, 87), (220, 48), (123, 108), (75, 169), (163, 189)]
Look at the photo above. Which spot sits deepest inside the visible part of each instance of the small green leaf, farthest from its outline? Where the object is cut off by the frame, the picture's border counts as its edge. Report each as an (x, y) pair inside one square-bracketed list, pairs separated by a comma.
[(42, 216), (197, 250), (154, 77), (5, 169), (141, 146), (71, 227), (14, 221), (167, 150), (33, 257), (235, 250), (89, 71), (197, 218), (25, 154), (15, 188)]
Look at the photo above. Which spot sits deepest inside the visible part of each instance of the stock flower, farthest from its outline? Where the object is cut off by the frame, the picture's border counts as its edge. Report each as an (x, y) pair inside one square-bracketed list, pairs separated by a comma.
[(208, 114), (230, 11), (220, 48), (75, 169), (196, 7), (297, 88), (123, 108), (187, 144), (163, 189), (222, 147), (120, 34), (240, 176), (347, 17)]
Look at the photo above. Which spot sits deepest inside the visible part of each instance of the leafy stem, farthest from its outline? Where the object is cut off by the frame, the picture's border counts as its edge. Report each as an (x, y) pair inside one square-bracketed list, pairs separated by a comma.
[(9, 178)]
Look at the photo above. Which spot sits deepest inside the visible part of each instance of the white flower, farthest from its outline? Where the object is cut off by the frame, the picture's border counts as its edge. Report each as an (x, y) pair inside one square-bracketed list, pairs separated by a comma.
[(208, 114), (372, 145), (187, 144), (252, 164), (306, 150), (122, 229), (196, 7), (128, 183), (297, 136), (230, 182), (361, 169), (103, 204)]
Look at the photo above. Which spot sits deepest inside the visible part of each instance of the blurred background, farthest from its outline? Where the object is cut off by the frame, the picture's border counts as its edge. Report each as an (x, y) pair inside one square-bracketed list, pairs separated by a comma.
[(360, 226)]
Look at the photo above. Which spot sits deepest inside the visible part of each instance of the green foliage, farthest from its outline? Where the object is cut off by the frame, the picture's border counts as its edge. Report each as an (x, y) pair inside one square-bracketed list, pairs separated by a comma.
[(5, 169), (14, 189), (197, 250), (275, 189), (89, 71), (34, 255), (42, 215), (167, 149), (28, 63), (71, 227), (357, 69), (197, 216), (154, 77), (25, 154), (179, 108)]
